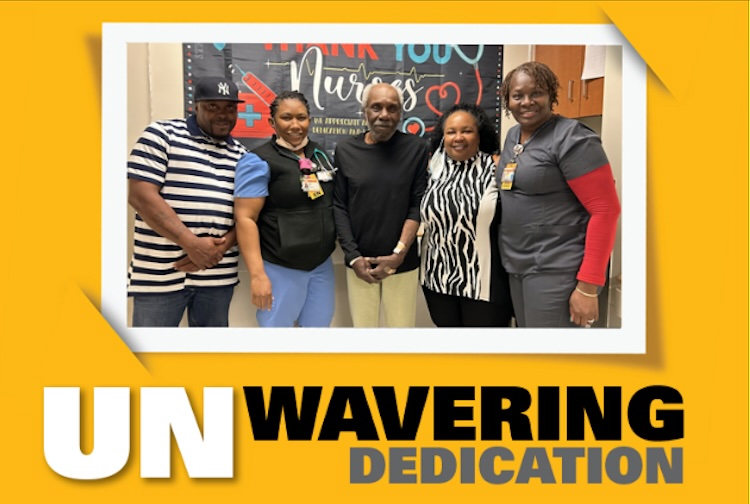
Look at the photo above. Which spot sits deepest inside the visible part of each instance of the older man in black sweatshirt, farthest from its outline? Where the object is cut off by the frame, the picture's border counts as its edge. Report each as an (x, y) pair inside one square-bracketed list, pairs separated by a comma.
[(382, 175)]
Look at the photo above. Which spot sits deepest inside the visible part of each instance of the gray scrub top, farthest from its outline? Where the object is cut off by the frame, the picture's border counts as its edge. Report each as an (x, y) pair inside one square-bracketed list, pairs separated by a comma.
[(543, 226)]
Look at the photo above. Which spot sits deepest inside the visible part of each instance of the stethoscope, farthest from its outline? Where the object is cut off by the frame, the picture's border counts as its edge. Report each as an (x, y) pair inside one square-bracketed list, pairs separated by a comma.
[(320, 158)]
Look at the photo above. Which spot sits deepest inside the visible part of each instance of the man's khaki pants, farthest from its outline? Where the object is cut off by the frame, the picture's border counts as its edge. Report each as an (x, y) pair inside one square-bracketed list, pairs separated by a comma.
[(398, 293)]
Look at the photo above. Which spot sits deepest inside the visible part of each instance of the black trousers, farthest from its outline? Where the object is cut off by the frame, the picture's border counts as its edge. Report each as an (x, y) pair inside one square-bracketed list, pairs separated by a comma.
[(456, 311)]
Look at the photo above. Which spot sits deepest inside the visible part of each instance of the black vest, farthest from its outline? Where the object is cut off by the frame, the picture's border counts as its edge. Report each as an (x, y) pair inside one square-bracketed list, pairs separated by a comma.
[(295, 231)]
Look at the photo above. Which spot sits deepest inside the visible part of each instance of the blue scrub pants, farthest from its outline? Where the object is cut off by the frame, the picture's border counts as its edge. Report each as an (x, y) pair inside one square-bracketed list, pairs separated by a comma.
[(298, 295)]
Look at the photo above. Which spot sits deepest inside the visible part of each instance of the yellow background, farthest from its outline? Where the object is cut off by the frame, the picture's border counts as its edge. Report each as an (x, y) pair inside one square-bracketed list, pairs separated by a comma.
[(697, 240)]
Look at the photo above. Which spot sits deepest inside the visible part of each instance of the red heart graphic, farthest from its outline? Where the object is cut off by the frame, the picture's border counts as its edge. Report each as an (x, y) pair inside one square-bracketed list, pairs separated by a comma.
[(412, 128), (442, 94)]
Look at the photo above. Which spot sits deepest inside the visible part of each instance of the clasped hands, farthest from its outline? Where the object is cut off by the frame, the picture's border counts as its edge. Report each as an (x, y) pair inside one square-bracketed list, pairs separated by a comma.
[(376, 269), (202, 253)]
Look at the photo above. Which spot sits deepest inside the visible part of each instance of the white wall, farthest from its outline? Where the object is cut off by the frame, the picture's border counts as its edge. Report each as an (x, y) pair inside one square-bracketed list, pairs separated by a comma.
[(612, 133), (513, 55)]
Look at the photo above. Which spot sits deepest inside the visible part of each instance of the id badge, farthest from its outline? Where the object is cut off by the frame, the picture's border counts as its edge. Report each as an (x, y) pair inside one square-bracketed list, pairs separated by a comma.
[(506, 179), (311, 186)]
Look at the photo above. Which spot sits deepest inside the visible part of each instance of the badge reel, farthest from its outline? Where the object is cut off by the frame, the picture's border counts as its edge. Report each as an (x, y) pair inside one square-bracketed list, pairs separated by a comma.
[(308, 180), (509, 172)]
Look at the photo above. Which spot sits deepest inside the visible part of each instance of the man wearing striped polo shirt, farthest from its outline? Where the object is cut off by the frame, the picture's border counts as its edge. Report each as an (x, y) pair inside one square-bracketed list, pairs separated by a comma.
[(181, 184)]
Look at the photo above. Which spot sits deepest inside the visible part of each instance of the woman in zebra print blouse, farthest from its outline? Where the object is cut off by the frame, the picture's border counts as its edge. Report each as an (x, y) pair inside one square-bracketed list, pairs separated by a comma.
[(463, 280)]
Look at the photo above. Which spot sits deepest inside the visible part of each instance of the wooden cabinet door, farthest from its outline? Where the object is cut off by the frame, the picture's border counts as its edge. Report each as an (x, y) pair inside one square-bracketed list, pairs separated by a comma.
[(567, 63), (592, 97), (576, 98)]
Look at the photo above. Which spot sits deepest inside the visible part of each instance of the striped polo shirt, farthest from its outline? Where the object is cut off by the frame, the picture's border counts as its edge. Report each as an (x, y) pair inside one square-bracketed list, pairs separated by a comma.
[(195, 176)]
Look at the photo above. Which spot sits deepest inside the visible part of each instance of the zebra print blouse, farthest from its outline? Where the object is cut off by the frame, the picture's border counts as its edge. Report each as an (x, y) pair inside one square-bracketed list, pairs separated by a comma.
[(458, 210)]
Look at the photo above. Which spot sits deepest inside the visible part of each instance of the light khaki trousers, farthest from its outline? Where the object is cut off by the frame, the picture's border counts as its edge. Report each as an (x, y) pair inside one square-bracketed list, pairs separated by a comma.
[(398, 294)]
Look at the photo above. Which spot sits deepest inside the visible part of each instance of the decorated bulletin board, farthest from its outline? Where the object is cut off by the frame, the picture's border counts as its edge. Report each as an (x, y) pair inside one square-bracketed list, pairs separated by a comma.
[(431, 77)]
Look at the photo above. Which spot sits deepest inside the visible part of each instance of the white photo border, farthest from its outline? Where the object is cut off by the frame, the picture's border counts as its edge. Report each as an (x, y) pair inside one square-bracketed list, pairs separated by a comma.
[(630, 338)]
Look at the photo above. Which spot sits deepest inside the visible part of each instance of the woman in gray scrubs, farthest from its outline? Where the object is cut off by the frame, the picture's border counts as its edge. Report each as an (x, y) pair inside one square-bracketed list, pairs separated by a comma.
[(559, 206)]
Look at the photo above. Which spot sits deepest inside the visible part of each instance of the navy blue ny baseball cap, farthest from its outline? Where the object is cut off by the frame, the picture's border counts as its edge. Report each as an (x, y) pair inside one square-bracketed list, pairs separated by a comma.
[(217, 88)]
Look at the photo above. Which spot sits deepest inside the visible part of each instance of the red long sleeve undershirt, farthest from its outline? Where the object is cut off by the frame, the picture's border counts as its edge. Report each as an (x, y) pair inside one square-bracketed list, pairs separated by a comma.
[(596, 192)]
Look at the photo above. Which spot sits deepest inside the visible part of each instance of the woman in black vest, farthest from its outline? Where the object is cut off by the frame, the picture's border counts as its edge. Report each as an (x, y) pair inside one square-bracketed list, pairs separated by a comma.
[(284, 212)]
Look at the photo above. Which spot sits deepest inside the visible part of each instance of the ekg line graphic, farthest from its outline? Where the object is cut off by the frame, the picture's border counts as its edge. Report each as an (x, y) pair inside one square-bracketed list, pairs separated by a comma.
[(363, 70)]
